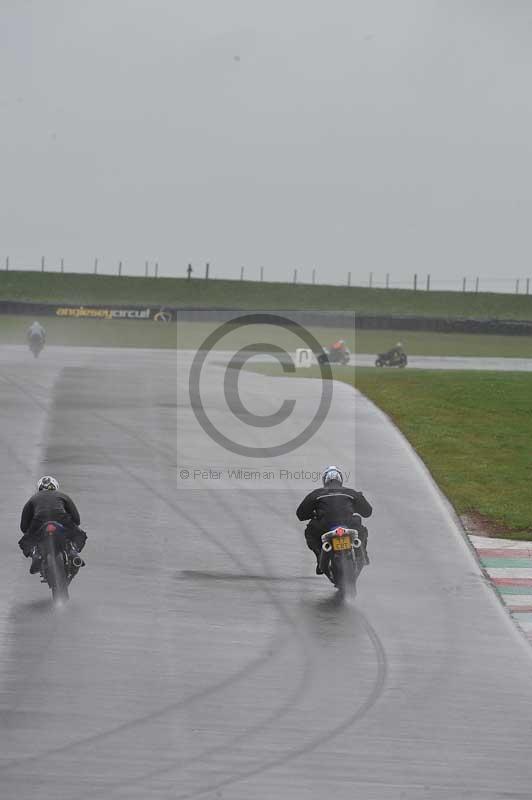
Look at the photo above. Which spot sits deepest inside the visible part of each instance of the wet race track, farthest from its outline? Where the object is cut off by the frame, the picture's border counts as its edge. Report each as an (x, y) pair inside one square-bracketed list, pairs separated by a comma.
[(199, 655)]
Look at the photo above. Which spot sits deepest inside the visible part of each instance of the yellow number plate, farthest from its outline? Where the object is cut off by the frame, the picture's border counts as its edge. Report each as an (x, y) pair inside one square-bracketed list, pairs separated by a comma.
[(341, 543)]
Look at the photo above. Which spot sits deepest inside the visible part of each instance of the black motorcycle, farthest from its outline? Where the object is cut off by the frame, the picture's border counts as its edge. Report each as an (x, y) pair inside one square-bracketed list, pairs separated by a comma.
[(334, 357), (60, 561), (36, 344), (387, 360), (343, 555)]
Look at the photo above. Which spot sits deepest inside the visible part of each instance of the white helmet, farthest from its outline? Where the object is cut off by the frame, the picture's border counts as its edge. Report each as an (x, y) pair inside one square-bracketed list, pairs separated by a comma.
[(48, 483), (332, 474)]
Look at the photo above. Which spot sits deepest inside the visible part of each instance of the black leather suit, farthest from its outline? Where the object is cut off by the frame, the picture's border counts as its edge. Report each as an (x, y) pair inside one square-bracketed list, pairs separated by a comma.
[(49, 506)]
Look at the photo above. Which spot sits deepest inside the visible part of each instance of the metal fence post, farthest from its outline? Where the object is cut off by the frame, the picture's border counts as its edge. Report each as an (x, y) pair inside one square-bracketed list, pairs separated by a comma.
[(262, 273), (527, 285), (146, 269), (7, 263), (415, 281), (42, 263), (241, 273), (207, 265), (428, 283), (349, 279), (62, 265), (476, 286), (387, 280), (370, 279), (517, 286), (295, 276), (313, 277), (95, 266), (464, 285), (119, 268)]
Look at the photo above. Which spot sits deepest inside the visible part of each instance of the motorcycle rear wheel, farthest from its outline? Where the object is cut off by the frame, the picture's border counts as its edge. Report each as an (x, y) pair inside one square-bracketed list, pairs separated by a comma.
[(56, 576), (344, 575)]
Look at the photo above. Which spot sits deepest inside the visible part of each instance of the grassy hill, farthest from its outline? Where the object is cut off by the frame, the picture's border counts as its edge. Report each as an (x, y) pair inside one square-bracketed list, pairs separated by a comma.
[(102, 289)]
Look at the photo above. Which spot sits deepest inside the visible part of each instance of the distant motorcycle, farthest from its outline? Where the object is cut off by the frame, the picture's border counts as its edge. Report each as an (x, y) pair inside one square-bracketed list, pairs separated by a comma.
[(343, 555), (36, 344), (334, 357), (386, 360), (60, 562)]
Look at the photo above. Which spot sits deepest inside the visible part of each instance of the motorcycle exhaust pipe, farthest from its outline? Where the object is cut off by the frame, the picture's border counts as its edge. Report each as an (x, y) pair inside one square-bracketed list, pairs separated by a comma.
[(327, 547), (323, 560), (78, 562), (357, 543)]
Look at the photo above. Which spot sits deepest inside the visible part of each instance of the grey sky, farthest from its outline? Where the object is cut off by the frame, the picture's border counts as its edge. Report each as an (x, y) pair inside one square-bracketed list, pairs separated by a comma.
[(364, 135)]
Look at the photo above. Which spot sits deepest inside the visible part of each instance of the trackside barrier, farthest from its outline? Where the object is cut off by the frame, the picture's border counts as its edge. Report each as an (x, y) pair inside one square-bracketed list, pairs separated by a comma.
[(307, 317)]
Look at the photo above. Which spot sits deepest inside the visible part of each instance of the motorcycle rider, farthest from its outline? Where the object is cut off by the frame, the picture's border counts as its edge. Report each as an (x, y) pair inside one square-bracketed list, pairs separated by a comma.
[(332, 505), (48, 504), (339, 346), (395, 352), (36, 331), (338, 351)]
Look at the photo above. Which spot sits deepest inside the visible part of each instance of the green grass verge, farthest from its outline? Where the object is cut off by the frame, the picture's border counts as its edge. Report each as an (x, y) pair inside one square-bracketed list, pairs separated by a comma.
[(50, 287), (472, 429), (132, 333)]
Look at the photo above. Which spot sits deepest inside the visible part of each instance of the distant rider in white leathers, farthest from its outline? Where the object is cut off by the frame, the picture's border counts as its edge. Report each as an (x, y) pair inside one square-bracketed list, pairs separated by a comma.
[(35, 331)]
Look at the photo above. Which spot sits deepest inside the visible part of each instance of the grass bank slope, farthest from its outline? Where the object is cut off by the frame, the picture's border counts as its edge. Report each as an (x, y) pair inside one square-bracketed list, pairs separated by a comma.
[(472, 430), (52, 287)]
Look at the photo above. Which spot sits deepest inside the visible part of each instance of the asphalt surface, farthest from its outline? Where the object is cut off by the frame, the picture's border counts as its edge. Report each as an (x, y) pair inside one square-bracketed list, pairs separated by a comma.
[(199, 655), (456, 362)]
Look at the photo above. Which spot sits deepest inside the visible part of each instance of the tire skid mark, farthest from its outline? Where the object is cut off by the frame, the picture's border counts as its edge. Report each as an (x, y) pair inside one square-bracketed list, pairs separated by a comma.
[(361, 711), (232, 680), (251, 667), (97, 738), (379, 683), (279, 761), (270, 763), (26, 392), (297, 693), (268, 653), (33, 662), (295, 696)]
